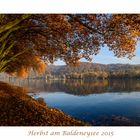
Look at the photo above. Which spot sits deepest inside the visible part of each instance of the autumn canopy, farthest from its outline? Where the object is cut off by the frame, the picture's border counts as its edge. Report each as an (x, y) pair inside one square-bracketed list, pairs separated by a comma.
[(32, 41)]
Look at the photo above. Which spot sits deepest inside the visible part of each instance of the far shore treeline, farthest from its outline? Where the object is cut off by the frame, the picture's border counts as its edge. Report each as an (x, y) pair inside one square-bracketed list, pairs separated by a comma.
[(93, 71), (86, 71)]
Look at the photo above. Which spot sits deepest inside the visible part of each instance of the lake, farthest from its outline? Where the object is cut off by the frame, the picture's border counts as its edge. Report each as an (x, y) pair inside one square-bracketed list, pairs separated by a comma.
[(100, 102)]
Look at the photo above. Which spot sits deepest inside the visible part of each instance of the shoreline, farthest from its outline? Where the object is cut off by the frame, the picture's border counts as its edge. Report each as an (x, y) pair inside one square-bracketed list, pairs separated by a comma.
[(20, 109)]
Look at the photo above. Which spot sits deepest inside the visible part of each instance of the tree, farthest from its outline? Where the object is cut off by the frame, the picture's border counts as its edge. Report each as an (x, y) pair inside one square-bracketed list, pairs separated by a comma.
[(38, 39)]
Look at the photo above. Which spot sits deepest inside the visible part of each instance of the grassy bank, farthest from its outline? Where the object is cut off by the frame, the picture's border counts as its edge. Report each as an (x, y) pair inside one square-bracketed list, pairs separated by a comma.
[(19, 109)]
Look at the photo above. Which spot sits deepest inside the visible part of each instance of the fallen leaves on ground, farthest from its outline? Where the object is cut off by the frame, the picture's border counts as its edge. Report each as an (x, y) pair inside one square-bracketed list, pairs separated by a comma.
[(19, 109)]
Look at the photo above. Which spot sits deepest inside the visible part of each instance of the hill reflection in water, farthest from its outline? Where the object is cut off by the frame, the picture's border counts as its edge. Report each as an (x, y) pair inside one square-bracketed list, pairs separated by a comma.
[(79, 87), (100, 102)]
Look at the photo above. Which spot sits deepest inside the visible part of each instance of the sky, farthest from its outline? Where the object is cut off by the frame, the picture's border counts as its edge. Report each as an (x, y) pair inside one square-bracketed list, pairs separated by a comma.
[(107, 57)]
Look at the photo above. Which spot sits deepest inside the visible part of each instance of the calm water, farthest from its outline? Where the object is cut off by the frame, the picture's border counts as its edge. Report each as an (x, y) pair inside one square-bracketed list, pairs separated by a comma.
[(102, 102)]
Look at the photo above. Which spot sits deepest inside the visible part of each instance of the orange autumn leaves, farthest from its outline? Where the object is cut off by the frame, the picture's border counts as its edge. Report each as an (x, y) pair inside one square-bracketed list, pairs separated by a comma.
[(38, 66), (19, 109), (44, 38), (122, 35)]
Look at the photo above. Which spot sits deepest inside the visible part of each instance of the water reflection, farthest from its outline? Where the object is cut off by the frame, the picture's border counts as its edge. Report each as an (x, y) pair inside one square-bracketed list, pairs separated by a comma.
[(100, 102), (78, 87)]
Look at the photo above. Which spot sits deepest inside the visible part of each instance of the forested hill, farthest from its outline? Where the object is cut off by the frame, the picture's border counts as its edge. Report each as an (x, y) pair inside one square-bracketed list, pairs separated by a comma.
[(95, 70), (83, 67)]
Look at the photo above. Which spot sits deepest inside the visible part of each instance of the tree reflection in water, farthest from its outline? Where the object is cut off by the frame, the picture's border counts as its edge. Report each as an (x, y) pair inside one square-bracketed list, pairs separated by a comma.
[(79, 87), (112, 110)]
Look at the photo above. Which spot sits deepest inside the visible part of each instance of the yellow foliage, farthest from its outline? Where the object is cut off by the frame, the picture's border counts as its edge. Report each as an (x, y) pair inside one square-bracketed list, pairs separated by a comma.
[(41, 66), (23, 72), (38, 65)]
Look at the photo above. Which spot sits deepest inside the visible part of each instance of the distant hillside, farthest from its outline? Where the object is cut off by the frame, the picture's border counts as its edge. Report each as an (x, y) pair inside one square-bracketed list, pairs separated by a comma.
[(87, 71), (94, 70), (84, 66)]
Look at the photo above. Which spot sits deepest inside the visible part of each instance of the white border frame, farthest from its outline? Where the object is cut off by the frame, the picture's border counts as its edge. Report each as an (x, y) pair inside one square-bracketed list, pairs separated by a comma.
[(69, 6)]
